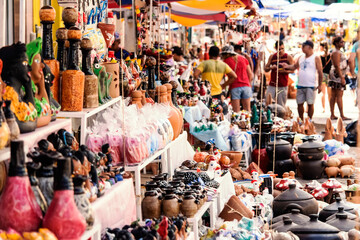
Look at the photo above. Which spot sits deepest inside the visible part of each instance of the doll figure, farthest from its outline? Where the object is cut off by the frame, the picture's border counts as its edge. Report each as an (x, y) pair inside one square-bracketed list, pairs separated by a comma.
[(49, 78), (19, 88), (33, 50), (68, 139)]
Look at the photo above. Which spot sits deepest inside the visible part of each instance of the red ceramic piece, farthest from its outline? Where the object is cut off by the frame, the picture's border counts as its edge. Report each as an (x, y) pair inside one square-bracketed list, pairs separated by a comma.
[(63, 218)]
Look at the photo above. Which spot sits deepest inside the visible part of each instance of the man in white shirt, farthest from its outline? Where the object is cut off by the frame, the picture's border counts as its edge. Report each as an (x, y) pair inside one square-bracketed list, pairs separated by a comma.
[(308, 65)]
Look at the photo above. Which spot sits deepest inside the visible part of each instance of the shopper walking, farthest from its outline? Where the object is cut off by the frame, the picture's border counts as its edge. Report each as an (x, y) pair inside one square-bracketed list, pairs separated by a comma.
[(337, 74), (308, 64), (326, 66), (237, 49), (281, 76), (354, 61), (214, 70), (240, 89)]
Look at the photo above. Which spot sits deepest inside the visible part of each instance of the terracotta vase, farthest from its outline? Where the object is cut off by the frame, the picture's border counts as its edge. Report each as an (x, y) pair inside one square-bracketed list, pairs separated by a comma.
[(81, 200), (189, 206), (151, 205), (47, 17), (91, 90), (173, 115), (72, 89), (113, 70), (169, 99), (107, 31), (18, 207), (171, 205), (63, 218)]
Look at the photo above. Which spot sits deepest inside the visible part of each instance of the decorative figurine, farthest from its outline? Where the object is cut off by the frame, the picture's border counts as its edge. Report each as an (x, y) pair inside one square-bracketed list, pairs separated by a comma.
[(55, 106), (81, 200), (11, 121), (32, 167), (19, 87), (104, 81)]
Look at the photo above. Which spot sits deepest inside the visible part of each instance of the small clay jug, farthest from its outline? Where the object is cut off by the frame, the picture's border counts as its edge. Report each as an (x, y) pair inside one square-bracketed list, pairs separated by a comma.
[(171, 205), (11, 121), (151, 205), (189, 206)]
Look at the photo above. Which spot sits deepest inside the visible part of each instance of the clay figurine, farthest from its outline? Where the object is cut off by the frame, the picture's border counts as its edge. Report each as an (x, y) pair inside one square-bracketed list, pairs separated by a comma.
[(104, 79), (11, 121), (15, 75), (32, 167), (329, 130), (81, 200), (347, 171), (332, 171), (42, 105)]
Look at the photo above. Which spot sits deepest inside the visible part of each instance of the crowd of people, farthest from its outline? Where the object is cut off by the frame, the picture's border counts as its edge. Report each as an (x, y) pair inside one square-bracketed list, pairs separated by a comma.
[(322, 68)]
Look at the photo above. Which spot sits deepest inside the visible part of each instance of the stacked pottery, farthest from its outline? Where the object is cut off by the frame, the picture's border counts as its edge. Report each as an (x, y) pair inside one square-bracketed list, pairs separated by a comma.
[(151, 205), (189, 206), (311, 154), (283, 161)]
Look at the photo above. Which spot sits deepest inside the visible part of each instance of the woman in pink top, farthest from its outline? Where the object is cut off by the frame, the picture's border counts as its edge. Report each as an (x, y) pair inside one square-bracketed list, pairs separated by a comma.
[(240, 88)]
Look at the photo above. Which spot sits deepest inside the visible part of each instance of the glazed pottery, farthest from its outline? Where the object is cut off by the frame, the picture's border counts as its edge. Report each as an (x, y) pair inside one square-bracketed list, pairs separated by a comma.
[(333, 208), (284, 225), (294, 198), (47, 17), (151, 205), (19, 87), (11, 121), (312, 169), (311, 146), (32, 167), (341, 210), (63, 218), (82, 202), (113, 70), (18, 207), (72, 89), (91, 91), (171, 205), (294, 215), (316, 230), (283, 149)]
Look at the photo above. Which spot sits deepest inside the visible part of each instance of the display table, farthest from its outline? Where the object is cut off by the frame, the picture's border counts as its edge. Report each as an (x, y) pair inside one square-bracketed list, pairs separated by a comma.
[(85, 114), (117, 207), (194, 221), (225, 191), (32, 138)]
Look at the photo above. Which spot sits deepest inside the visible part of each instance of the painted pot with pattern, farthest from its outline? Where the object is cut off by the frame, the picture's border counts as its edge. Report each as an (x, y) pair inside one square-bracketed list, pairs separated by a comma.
[(113, 70)]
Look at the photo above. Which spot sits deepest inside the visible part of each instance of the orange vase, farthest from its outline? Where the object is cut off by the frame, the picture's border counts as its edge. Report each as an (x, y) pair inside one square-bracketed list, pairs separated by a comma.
[(173, 115), (180, 117)]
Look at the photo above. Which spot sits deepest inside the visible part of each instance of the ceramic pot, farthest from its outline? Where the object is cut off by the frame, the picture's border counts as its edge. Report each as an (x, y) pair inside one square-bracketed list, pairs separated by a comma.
[(73, 80), (173, 115), (311, 146), (169, 100), (341, 210), (171, 205), (283, 149), (294, 198), (333, 208), (113, 70), (288, 136), (282, 166), (294, 215), (311, 156), (235, 157), (284, 226), (312, 169), (264, 158), (315, 230), (151, 205), (342, 222), (189, 206), (82, 201)]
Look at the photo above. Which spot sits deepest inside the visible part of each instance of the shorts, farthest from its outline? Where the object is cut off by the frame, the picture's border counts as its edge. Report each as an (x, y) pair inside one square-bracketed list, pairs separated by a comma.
[(241, 93), (281, 94), (353, 83), (306, 94), (336, 85), (325, 78)]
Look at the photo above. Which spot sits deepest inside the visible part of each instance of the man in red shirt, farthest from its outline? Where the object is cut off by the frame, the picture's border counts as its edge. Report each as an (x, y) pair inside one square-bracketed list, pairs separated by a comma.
[(240, 88), (282, 75)]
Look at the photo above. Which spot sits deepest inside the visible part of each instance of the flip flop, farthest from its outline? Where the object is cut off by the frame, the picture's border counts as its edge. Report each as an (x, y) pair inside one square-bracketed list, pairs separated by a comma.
[(346, 118), (334, 118)]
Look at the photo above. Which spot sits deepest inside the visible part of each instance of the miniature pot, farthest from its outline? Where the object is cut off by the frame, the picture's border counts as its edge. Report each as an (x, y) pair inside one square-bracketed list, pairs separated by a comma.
[(294, 198), (189, 206), (333, 208), (171, 205), (151, 205)]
